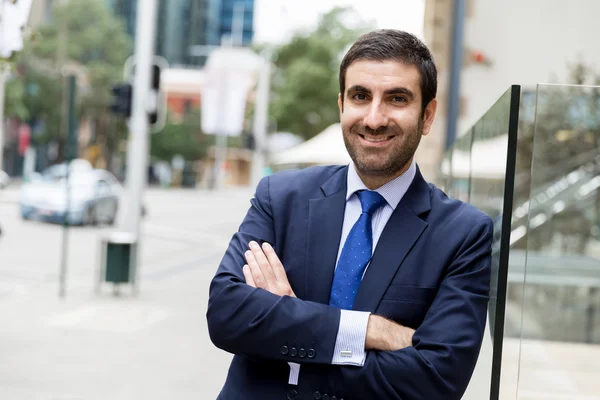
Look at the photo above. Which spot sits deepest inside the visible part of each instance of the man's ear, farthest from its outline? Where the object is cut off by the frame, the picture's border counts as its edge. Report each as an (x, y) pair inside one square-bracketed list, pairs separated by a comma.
[(429, 116), (340, 103)]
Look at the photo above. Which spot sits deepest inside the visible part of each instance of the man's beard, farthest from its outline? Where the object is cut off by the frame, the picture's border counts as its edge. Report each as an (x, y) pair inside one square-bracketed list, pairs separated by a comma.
[(396, 158)]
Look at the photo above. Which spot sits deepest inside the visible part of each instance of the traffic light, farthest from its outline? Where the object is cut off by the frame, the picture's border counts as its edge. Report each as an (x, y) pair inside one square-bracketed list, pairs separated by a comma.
[(121, 104), (249, 141), (154, 89)]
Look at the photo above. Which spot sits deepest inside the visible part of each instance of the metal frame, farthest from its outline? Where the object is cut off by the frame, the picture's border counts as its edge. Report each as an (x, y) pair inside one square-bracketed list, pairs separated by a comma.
[(509, 186)]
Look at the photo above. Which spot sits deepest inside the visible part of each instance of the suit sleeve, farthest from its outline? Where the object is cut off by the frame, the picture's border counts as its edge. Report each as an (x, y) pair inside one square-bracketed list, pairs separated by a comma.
[(446, 345), (254, 322)]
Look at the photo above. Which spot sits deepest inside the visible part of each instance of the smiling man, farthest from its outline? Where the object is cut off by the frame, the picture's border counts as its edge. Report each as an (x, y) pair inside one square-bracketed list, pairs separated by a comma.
[(359, 281)]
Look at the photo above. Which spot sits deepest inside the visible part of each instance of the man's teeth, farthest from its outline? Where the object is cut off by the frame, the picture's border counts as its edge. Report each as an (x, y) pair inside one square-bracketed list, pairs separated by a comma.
[(378, 139)]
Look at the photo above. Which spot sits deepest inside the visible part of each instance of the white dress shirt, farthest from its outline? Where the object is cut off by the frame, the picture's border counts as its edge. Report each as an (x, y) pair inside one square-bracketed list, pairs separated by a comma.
[(350, 342)]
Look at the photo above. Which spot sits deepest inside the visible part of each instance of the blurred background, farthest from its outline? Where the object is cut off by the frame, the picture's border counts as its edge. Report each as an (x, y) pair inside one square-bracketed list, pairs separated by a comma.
[(133, 133)]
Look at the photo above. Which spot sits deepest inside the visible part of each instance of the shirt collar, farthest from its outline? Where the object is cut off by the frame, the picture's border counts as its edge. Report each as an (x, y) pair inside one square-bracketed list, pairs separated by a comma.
[(392, 192)]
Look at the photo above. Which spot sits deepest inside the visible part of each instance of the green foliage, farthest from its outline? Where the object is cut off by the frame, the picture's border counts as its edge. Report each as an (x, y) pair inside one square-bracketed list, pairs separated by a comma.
[(305, 81), (14, 105), (185, 138), (182, 137), (84, 34), (567, 123)]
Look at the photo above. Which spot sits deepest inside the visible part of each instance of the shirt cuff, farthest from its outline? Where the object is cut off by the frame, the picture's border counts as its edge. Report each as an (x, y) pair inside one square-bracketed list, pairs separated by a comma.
[(294, 373), (350, 343)]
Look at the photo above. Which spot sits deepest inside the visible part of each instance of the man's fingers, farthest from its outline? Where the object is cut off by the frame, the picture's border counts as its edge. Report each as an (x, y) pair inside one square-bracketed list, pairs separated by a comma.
[(248, 276), (256, 272), (281, 279), (263, 263), (276, 264)]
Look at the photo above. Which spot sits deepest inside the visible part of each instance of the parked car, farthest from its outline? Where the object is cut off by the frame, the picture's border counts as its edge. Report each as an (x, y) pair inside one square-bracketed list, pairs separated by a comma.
[(93, 195), (4, 179)]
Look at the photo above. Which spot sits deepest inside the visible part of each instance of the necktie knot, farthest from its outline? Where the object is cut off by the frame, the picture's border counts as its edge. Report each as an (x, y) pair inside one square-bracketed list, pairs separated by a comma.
[(370, 201)]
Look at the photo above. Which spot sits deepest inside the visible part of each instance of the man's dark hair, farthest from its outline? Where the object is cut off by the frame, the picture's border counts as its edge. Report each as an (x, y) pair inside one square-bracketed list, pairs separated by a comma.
[(395, 45)]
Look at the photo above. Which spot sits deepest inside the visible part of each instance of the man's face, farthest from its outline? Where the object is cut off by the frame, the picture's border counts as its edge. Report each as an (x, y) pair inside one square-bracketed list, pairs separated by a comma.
[(381, 116)]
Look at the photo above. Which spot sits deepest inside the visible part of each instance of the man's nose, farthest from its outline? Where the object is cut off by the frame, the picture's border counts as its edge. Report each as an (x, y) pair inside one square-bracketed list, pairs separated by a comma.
[(376, 117)]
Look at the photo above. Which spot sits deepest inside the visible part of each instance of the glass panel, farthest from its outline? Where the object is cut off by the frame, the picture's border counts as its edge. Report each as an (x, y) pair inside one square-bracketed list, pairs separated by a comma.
[(492, 152), (456, 168), (560, 355)]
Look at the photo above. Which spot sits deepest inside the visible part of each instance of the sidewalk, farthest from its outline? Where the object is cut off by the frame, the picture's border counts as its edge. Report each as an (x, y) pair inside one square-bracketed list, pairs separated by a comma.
[(153, 347)]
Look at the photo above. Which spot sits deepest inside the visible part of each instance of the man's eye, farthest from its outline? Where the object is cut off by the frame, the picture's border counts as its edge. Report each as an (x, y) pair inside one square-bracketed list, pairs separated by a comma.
[(398, 99), (359, 96)]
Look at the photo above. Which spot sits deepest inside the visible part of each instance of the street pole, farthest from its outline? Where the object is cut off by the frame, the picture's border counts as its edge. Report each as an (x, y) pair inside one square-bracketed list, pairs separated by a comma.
[(71, 154), (261, 118), (236, 39), (220, 143), (138, 146), (237, 24), (455, 69), (3, 78)]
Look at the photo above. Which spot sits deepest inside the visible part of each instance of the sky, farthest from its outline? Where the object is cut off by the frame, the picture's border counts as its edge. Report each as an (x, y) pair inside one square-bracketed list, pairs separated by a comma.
[(276, 20), (14, 17)]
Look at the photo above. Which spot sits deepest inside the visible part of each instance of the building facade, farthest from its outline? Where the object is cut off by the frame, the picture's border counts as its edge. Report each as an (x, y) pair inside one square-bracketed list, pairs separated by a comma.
[(527, 43), (183, 24), (231, 10)]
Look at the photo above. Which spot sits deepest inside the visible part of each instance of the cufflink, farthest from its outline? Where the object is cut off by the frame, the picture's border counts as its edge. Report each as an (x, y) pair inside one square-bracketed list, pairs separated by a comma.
[(346, 353)]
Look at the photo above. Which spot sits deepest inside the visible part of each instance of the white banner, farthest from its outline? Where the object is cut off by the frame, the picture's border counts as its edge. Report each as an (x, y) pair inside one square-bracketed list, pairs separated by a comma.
[(230, 75)]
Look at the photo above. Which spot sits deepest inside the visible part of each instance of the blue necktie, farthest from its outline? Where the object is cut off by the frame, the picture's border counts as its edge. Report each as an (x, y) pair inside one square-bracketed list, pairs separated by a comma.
[(356, 253)]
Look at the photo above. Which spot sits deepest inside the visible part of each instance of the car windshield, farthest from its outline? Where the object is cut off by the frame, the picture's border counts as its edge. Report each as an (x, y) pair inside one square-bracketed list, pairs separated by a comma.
[(78, 175)]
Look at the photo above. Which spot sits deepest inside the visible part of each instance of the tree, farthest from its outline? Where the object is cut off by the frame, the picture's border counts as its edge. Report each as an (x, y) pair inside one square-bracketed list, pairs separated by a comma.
[(305, 80), (561, 135), (14, 105), (84, 34), (183, 138)]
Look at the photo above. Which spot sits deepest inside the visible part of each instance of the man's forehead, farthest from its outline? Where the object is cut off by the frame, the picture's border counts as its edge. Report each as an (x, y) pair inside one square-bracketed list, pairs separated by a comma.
[(383, 75)]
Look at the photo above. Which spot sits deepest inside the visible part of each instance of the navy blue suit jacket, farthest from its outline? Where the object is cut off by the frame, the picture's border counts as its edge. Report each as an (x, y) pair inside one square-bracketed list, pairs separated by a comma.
[(430, 271)]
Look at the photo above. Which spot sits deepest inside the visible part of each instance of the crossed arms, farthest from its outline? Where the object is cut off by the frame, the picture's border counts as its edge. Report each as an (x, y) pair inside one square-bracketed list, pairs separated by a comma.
[(255, 315), (265, 271)]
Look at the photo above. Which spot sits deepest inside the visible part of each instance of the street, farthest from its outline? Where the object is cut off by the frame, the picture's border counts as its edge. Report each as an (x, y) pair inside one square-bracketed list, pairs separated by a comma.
[(90, 347)]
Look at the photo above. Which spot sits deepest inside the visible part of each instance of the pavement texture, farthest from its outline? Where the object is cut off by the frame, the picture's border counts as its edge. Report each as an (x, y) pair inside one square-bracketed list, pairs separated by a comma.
[(151, 346)]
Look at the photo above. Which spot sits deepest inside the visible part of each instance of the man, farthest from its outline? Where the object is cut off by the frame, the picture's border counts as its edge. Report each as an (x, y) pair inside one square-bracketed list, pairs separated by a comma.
[(360, 281)]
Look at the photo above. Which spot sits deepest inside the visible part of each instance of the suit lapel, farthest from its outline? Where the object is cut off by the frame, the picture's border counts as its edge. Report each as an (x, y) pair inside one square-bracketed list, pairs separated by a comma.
[(399, 236), (325, 220)]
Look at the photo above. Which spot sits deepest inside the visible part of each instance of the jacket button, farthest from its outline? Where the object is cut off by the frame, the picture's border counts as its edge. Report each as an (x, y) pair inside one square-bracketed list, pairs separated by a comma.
[(292, 394), (302, 353), (325, 397), (333, 398), (317, 395), (293, 352), (311, 353), (284, 350)]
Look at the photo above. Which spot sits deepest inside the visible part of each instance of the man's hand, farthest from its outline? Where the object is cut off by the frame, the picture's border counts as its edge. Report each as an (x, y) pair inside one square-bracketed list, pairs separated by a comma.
[(265, 271), (386, 335)]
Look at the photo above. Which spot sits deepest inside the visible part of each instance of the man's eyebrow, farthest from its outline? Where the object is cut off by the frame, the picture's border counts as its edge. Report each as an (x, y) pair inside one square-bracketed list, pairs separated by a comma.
[(400, 90), (395, 91), (358, 88)]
